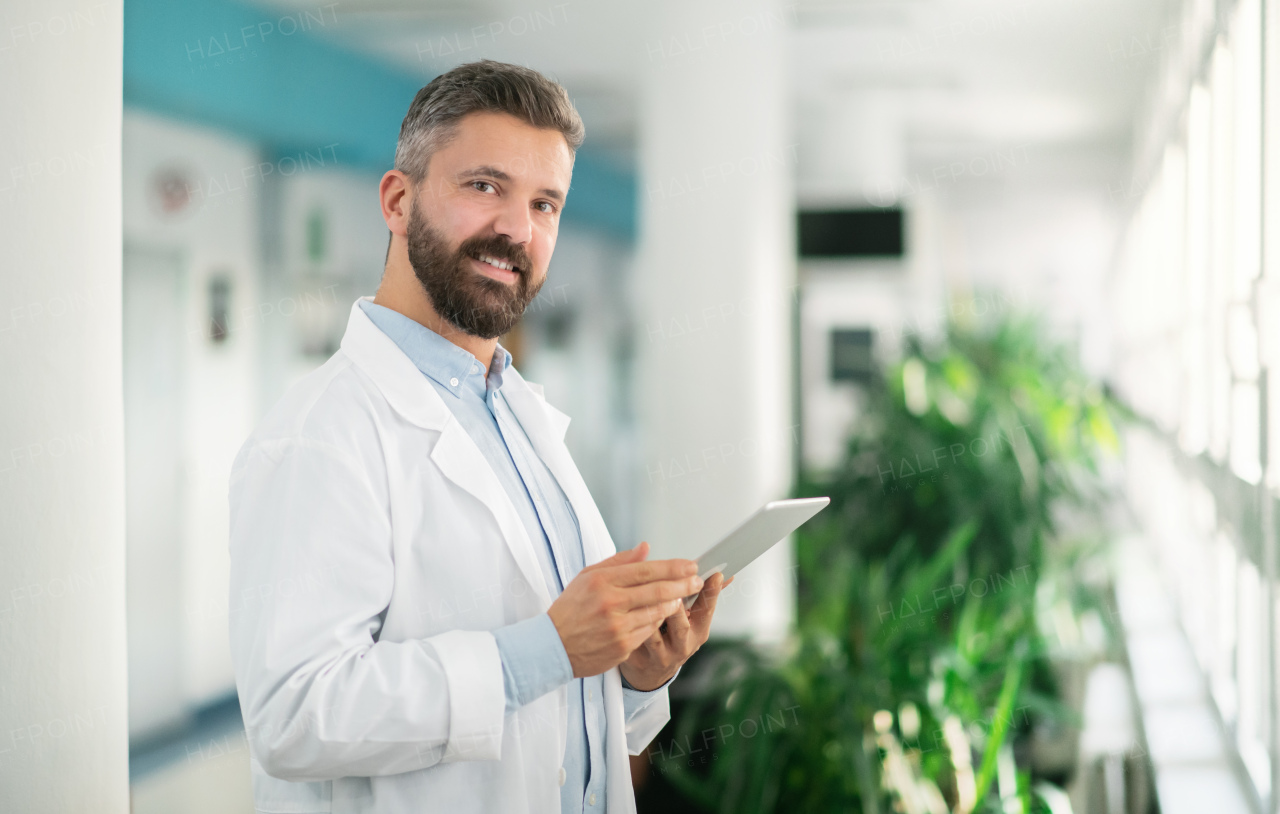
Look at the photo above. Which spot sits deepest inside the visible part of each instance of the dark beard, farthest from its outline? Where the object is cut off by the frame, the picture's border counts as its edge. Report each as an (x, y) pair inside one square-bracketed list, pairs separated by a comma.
[(469, 301)]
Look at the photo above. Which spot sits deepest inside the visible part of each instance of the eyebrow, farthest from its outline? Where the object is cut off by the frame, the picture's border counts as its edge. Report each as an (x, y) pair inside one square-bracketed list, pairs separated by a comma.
[(494, 172)]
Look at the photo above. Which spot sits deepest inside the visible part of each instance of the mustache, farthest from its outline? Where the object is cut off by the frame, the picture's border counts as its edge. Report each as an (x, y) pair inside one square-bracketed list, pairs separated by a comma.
[(499, 248)]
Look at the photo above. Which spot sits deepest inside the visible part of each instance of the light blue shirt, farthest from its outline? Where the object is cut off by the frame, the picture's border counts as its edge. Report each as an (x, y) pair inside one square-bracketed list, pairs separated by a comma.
[(534, 661)]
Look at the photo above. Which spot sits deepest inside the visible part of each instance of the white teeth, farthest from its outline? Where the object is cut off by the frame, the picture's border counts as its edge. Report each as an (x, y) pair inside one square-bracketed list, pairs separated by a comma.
[(498, 263)]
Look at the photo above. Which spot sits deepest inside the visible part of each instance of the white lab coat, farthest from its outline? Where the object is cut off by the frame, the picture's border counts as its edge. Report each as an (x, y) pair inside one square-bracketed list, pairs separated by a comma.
[(373, 550)]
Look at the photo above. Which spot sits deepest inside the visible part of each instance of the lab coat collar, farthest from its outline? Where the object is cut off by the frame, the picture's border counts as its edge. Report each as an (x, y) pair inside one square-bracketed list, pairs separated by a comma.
[(399, 380), (413, 397), (453, 369)]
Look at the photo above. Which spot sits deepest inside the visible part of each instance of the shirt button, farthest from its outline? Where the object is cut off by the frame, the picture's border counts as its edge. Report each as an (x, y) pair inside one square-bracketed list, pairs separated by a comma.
[(562, 775), (475, 368), (591, 695), (591, 800), (453, 382)]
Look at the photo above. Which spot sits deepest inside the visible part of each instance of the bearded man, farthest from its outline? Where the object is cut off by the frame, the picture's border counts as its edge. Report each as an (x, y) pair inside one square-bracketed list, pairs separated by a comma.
[(431, 615)]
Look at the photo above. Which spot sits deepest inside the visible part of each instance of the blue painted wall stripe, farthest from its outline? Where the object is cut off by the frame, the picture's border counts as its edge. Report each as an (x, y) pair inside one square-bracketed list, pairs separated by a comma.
[(272, 77)]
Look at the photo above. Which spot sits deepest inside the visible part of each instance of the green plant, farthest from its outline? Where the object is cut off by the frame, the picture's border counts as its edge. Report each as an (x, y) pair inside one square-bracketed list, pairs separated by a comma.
[(917, 664)]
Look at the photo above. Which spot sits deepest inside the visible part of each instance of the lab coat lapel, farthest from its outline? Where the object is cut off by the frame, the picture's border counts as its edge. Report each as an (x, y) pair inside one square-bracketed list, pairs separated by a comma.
[(545, 426), (462, 462), (455, 453)]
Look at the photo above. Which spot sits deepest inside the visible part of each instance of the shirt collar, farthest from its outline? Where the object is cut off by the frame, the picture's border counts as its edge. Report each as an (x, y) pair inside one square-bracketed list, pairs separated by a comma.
[(453, 368)]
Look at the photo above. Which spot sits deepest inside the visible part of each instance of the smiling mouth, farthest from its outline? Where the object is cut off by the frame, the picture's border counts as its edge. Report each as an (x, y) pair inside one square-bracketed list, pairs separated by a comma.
[(499, 264)]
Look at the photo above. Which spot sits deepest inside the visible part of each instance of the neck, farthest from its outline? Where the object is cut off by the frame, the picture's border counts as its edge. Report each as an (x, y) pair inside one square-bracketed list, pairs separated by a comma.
[(401, 291)]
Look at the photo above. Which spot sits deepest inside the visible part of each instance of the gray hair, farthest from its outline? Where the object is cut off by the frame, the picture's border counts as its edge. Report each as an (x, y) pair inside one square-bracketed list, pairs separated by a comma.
[(488, 86)]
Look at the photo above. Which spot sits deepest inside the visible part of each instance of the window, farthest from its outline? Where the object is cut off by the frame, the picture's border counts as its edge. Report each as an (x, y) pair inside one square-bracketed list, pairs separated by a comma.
[(1196, 318)]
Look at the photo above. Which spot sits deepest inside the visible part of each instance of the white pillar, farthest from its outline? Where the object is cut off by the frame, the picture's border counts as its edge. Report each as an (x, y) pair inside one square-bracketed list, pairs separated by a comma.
[(714, 289), (63, 742)]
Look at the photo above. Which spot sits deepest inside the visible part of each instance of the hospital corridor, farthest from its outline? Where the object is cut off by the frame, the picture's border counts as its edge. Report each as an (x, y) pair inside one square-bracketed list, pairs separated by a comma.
[(735, 406)]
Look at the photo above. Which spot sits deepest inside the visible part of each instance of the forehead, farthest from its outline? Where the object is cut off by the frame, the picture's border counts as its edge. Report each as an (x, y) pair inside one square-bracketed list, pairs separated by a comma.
[(502, 141)]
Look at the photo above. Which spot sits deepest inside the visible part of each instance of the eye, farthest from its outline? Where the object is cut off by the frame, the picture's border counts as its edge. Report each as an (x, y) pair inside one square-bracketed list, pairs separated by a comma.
[(549, 209), (483, 186)]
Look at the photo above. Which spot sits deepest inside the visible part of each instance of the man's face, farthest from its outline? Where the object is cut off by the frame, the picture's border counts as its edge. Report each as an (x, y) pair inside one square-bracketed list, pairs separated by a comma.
[(491, 198)]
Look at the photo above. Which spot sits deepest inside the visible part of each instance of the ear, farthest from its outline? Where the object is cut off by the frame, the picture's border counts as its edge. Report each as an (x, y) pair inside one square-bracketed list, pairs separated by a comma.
[(396, 195)]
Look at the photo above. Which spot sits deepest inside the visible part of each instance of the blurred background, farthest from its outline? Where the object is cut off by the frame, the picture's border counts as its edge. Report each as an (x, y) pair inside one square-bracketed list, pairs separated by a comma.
[(995, 275)]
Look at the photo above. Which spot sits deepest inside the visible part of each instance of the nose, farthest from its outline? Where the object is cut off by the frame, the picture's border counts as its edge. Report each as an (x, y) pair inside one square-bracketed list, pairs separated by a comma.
[(515, 222)]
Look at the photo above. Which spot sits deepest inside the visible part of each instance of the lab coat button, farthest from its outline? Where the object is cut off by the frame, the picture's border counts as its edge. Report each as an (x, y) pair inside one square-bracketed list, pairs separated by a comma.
[(453, 382), (563, 776), (592, 801)]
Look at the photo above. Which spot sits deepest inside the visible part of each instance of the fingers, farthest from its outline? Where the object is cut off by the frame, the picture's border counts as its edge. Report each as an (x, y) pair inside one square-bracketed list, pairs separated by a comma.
[(653, 615), (657, 593), (639, 573), (644, 622)]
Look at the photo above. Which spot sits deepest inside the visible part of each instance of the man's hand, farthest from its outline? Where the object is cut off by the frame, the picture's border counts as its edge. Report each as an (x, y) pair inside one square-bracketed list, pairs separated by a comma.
[(612, 607), (658, 658)]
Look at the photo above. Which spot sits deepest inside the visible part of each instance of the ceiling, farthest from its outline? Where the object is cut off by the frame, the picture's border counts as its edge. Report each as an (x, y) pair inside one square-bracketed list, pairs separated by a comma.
[(945, 80)]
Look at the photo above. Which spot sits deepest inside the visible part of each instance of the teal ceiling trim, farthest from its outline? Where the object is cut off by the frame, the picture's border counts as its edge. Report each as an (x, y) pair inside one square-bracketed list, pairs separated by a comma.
[(274, 77)]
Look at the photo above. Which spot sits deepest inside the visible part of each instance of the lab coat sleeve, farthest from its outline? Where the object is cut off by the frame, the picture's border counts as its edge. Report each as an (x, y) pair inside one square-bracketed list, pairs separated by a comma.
[(644, 712), (643, 723), (312, 573)]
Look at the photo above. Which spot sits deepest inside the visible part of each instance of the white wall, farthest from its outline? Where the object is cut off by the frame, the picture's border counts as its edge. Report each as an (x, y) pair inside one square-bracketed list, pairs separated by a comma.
[(893, 297), (63, 744), (312, 280), (215, 232), (1047, 246), (871, 295)]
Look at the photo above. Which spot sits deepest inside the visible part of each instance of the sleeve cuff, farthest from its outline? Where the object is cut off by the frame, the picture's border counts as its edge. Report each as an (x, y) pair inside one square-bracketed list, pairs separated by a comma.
[(534, 661), (470, 663), (634, 700)]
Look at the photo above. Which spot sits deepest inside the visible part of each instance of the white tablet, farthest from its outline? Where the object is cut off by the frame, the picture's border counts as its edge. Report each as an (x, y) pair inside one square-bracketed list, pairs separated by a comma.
[(760, 532)]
